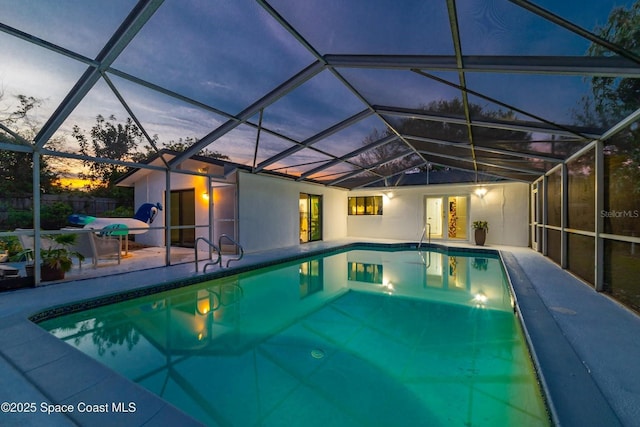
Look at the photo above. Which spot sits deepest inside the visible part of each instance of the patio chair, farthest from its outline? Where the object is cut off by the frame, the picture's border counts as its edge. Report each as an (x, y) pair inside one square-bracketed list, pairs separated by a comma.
[(95, 246), (26, 239), (117, 230), (8, 272)]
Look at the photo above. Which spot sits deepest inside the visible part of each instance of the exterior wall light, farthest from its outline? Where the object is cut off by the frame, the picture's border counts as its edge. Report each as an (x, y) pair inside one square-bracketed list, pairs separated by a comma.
[(480, 192)]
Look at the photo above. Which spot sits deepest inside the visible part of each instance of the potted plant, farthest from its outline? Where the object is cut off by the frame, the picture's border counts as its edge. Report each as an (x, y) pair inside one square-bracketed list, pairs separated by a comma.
[(56, 259), (481, 228), (4, 253), (480, 263)]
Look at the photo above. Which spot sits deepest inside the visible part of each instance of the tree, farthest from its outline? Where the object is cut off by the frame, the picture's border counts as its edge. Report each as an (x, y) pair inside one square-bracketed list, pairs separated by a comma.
[(440, 130), (613, 99), (118, 141), (109, 140), (179, 146), (386, 151), (16, 167), (16, 176), (20, 114), (182, 145), (123, 142)]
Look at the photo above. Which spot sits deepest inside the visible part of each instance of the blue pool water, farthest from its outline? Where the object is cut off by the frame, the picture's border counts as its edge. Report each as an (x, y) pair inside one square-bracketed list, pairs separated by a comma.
[(358, 338)]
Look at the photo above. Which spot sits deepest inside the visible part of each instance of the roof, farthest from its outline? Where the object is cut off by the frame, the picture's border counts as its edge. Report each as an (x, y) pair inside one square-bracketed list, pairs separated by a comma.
[(217, 169), (346, 94)]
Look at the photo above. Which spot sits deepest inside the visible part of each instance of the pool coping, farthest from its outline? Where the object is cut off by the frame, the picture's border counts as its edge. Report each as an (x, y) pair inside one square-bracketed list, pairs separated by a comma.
[(22, 345), (560, 378)]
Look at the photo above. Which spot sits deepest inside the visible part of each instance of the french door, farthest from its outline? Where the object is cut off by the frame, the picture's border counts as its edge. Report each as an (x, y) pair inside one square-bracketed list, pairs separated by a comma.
[(446, 217)]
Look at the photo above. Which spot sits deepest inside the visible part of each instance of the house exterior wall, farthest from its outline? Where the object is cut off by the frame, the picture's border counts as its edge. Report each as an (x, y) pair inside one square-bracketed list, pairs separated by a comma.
[(505, 207), (151, 188), (269, 211)]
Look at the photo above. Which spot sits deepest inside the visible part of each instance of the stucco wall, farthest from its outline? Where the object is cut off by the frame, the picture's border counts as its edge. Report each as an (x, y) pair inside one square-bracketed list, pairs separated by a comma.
[(151, 189), (505, 207), (269, 211)]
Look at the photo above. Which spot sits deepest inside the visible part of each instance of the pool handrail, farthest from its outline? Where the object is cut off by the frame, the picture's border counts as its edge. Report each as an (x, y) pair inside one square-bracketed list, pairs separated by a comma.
[(226, 236), (424, 232), (211, 245)]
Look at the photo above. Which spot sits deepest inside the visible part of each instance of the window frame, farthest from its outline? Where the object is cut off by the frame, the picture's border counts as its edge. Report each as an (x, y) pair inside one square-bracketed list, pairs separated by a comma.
[(365, 205)]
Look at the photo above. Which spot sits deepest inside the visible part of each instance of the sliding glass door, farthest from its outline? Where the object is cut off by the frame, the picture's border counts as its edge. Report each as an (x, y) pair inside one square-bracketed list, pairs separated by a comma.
[(183, 213), (310, 217)]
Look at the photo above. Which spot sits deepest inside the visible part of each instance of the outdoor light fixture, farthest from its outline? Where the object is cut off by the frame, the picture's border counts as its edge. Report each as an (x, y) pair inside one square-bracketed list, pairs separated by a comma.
[(480, 192), (205, 195), (388, 287)]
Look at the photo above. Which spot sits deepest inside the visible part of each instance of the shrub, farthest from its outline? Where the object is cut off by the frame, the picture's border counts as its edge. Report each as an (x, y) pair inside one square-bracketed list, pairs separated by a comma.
[(54, 216)]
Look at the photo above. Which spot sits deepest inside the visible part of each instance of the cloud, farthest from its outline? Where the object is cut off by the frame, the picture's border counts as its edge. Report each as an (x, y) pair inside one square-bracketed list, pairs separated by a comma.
[(33, 71), (77, 25)]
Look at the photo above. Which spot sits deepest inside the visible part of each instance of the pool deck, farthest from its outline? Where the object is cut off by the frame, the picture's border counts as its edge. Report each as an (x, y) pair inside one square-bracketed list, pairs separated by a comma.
[(585, 344)]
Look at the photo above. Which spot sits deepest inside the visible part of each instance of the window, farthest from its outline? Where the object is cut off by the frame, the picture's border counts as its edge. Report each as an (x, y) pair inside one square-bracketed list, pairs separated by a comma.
[(311, 277), (368, 205), (362, 272)]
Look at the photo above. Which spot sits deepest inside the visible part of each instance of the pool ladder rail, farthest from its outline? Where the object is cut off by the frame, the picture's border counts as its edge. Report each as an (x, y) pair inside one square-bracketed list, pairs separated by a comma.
[(218, 252), (426, 231)]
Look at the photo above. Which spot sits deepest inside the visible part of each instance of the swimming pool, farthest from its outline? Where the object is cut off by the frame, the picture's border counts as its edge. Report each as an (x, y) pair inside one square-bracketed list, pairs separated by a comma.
[(360, 337)]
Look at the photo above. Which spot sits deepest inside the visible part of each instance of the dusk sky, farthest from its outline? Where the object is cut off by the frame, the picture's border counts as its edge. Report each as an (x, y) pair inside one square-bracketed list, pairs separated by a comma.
[(228, 54)]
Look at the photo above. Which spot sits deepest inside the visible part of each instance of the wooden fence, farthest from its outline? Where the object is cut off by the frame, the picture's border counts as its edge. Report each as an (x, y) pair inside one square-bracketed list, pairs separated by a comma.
[(81, 204), (95, 206)]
